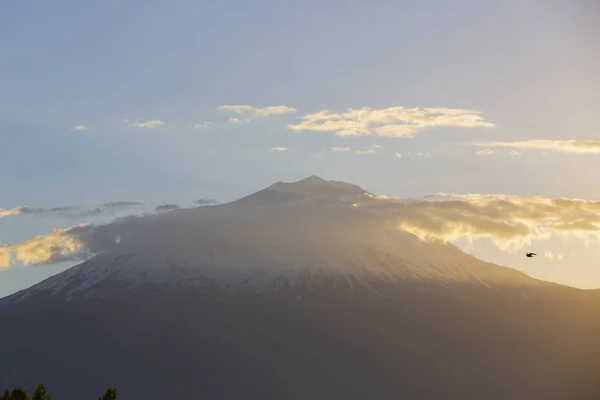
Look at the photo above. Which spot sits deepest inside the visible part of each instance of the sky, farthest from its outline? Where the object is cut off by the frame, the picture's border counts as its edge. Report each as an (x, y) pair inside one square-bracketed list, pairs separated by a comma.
[(103, 104)]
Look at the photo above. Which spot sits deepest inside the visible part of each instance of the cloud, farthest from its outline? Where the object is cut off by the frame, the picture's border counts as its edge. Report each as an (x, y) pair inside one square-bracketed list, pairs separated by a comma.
[(397, 155), (204, 202), (59, 245), (203, 125), (70, 211), (14, 211), (340, 149), (278, 149), (253, 112), (120, 204), (5, 258), (390, 122), (235, 120), (549, 254), (80, 127), (368, 151), (515, 153), (377, 146), (149, 124), (485, 152), (566, 146), (510, 221), (166, 207)]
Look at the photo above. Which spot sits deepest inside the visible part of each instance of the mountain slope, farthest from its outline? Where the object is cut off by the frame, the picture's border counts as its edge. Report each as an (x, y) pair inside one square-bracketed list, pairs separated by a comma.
[(302, 290)]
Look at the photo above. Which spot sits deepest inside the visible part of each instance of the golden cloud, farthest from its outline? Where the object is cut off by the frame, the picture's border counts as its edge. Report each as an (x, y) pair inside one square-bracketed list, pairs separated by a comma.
[(59, 245), (368, 151), (149, 124), (566, 146), (485, 152), (510, 221), (13, 211), (390, 122), (340, 149), (258, 112)]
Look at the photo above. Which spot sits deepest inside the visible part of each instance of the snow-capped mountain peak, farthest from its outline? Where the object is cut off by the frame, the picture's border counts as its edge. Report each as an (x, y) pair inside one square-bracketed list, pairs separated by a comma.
[(302, 235)]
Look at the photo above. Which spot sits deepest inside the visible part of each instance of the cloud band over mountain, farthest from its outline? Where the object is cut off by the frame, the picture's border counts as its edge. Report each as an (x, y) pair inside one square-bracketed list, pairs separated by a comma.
[(510, 221), (71, 211)]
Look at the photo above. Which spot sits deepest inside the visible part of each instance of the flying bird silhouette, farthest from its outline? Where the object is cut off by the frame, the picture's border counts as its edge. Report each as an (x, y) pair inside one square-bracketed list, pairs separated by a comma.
[(530, 254)]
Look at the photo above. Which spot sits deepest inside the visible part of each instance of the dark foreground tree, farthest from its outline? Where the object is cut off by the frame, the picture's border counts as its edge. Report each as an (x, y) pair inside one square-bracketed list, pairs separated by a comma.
[(41, 394), (111, 394), (19, 394)]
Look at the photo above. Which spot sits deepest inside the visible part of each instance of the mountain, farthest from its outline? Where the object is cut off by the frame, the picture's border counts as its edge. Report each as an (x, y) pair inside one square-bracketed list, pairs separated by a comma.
[(301, 290)]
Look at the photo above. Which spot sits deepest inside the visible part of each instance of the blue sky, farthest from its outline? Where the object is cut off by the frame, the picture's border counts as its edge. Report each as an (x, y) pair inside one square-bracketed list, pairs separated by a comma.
[(529, 67)]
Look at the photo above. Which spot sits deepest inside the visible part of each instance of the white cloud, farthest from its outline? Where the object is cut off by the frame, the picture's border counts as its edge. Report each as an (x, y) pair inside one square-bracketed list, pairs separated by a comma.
[(566, 146), (549, 254), (485, 152), (149, 124), (252, 112), (279, 149), (398, 155), (203, 125), (340, 149), (80, 127), (515, 153), (378, 146), (238, 109), (368, 151), (390, 122), (235, 120)]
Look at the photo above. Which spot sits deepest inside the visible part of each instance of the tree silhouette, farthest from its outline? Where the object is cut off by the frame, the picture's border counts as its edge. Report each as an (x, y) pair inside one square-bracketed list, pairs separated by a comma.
[(19, 394), (41, 394), (111, 394)]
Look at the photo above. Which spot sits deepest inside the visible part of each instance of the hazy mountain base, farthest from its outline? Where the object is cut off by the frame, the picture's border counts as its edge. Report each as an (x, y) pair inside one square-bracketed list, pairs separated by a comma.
[(419, 342)]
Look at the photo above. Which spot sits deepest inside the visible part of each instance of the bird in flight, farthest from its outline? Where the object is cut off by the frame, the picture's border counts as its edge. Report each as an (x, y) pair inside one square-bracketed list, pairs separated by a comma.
[(530, 254)]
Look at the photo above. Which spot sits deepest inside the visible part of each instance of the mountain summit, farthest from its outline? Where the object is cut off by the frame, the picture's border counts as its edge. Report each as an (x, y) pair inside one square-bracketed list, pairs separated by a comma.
[(311, 189)]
